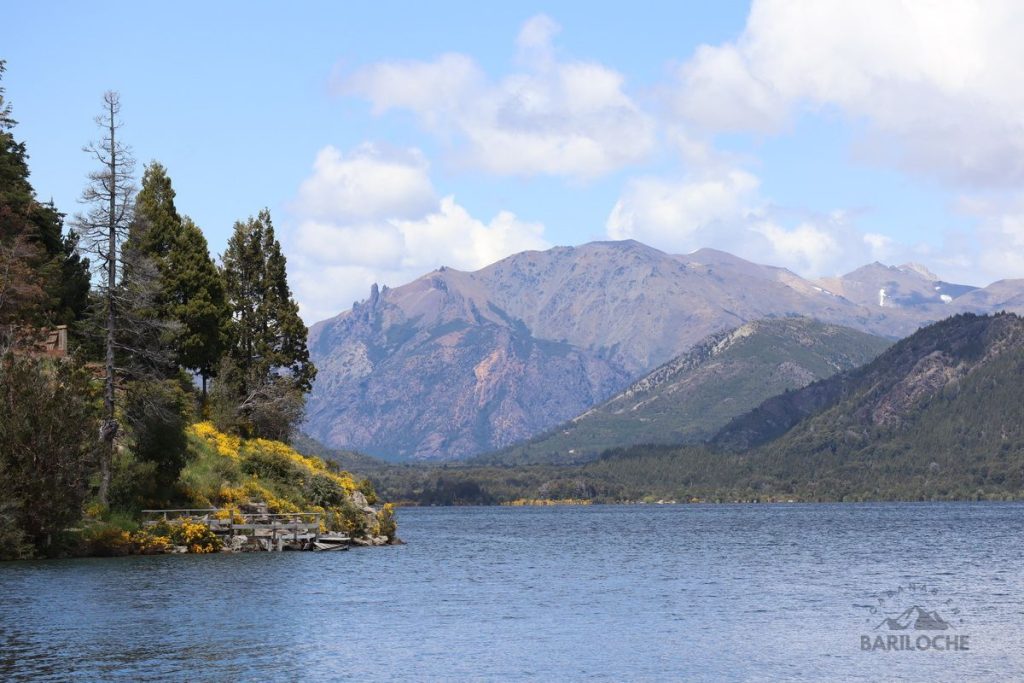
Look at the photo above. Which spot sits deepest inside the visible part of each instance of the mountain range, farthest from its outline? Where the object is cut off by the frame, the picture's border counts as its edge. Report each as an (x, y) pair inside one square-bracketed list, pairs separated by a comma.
[(692, 396), (939, 415), (458, 363)]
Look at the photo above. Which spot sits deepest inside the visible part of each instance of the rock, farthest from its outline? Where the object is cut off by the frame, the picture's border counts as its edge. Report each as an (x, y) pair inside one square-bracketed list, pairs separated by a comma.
[(237, 543), (179, 549)]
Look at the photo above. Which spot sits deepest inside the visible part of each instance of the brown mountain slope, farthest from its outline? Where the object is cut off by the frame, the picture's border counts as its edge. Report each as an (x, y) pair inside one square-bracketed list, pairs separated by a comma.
[(458, 363)]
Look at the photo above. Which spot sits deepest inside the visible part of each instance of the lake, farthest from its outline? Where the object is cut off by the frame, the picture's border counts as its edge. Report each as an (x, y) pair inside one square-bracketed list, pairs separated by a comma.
[(617, 593)]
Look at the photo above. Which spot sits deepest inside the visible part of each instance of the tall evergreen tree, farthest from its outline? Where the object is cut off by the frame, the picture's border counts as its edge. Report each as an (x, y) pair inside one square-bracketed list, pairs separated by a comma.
[(195, 297), (42, 278), (285, 332), (268, 366), (157, 223), (189, 293)]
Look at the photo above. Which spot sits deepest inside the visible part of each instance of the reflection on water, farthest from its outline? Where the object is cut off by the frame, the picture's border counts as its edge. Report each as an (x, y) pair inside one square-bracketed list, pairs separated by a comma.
[(606, 592)]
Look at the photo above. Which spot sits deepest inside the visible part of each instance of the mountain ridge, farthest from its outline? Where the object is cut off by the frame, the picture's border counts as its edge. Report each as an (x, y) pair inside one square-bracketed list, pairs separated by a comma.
[(457, 363), (689, 398)]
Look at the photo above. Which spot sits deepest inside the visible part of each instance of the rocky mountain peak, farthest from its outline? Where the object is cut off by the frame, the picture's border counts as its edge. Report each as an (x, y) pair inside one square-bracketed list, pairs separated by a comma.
[(456, 363)]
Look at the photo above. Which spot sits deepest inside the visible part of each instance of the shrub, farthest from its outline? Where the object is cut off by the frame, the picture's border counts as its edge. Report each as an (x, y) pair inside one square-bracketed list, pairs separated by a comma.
[(195, 536), (269, 464), (324, 491), (387, 526)]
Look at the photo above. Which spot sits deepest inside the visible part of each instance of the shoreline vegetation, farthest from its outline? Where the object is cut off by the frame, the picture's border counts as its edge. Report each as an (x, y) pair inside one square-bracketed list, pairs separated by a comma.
[(138, 373), (227, 475)]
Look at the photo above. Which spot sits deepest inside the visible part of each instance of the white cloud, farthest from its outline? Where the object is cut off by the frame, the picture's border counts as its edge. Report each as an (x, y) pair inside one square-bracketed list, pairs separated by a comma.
[(431, 89), (450, 236), (561, 118), (684, 215), (806, 248), (996, 249), (369, 217), (535, 40), (881, 246), (723, 209), (719, 92), (368, 183), (937, 83)]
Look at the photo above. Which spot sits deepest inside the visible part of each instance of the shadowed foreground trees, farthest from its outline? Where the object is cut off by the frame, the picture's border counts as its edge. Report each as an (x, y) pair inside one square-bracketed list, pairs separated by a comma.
[(47, 451)]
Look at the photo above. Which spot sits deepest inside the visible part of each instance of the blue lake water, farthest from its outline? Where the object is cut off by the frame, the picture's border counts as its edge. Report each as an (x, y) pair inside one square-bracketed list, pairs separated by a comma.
[(617, 593)]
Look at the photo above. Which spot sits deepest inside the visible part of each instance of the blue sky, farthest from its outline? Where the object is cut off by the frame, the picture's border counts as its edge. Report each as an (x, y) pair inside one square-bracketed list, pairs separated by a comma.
[(389, 139)]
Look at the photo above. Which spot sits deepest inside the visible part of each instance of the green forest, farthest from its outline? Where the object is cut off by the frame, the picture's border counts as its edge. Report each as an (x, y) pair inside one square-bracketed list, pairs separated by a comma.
[(135, 371), (937, 416)]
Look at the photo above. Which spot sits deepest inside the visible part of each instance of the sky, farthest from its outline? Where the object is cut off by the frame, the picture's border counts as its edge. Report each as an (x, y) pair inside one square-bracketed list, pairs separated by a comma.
[(388, 139)]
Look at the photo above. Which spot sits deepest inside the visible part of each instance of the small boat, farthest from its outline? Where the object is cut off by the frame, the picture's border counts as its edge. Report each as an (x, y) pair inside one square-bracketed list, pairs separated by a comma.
[(332, 543), (322, 545)]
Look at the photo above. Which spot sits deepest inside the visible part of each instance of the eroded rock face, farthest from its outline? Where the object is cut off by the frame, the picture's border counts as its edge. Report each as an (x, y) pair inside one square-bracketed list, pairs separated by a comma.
[(456, 363), (929, 374)]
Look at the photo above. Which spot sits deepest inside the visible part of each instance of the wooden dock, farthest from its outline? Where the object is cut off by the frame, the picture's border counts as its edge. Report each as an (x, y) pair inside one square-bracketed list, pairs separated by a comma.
[(257, 529)]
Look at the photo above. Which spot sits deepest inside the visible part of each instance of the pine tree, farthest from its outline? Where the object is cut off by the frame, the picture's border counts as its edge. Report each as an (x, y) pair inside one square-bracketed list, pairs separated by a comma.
[(268, 367), (157, 223), (195, 296), (287, 338), (189, 291), (42, 278)]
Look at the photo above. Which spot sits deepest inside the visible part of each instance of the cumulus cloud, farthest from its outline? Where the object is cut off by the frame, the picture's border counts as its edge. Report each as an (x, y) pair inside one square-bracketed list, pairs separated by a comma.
[(370, 182), (560, 118), (932, 89), (371, 216), (996, 250), (723, 208), (938, 84), (805, 248), (682, 215)]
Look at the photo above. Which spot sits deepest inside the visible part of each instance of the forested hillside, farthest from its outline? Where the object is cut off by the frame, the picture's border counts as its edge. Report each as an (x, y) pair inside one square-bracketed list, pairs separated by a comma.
[(691, 397), (939, 415)]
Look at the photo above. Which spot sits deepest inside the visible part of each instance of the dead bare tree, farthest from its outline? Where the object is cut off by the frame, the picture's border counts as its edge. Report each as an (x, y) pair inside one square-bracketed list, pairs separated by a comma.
[(110, 197)]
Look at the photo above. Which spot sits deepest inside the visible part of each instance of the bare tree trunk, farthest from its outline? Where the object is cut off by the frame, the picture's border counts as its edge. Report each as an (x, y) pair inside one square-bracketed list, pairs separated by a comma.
[(110, 432), (110, 197)]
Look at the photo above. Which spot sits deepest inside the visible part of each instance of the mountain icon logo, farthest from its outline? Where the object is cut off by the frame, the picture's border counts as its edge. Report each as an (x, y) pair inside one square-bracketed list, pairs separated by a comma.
[(915, 618)]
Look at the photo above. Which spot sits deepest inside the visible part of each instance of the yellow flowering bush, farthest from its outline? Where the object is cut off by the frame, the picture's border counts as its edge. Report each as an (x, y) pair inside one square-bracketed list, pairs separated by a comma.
[(145, 543), (225, 444), (95, 510), (386, 524), (196, 536), (232, 513), (227, 472)]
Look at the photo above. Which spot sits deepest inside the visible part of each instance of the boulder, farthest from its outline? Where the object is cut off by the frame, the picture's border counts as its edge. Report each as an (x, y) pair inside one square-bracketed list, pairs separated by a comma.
[(359, 500)]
